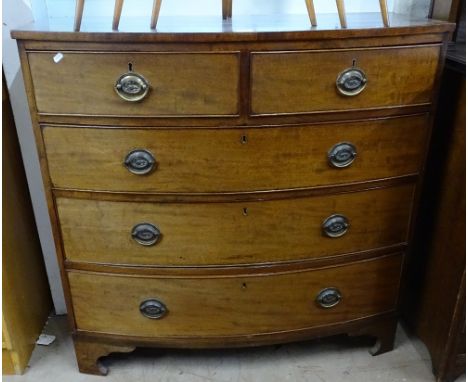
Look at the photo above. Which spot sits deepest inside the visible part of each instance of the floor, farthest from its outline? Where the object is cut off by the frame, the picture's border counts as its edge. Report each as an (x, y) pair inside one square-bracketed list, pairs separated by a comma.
[(337, 359)]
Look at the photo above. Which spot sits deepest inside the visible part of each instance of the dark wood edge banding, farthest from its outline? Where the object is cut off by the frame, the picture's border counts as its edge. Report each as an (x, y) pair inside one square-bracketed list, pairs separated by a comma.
[(361, 109), (246, 270), (399, 109), (253, 53), (237, 121), (417, 113), (234, 52), (123, 116), (220, 197), (363, 41), (352, 327), (146, 53)]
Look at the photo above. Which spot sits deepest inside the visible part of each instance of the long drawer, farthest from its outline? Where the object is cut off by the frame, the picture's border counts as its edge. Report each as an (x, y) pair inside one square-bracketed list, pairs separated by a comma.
[(229, 160), (179, 84), (200, 234), (222, 306), (310, 81)]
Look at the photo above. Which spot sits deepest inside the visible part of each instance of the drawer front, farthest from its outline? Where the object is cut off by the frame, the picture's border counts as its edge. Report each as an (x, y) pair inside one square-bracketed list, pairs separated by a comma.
[(232, 233), (305, 82), (228, 160), (220, 306), (179, 83)]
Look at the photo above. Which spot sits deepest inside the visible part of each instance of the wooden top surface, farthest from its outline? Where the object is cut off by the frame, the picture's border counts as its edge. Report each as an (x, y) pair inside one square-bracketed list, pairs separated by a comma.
[(242, 28)]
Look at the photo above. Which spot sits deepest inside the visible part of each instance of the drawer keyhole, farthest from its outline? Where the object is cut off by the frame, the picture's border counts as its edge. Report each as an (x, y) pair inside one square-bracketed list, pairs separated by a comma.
[(244, 139), (130, 67), (245, 211)]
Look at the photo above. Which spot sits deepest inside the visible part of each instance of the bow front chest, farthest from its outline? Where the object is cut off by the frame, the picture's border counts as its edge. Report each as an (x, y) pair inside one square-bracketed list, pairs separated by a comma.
[(231, 189)]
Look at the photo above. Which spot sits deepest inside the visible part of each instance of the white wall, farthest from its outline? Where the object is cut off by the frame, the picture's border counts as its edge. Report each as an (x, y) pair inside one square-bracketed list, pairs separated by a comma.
[(213, 7), (62, 8), (19, 12)]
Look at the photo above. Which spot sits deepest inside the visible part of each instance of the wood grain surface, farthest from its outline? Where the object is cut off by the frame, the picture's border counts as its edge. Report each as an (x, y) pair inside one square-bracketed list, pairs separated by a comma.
[(302, 82), (230, 160), (233, 306), (233, 233), (83, 83)]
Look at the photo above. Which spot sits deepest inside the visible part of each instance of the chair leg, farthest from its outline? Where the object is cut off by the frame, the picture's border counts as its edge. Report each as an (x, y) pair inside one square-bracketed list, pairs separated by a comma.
[(227, 9), (384, 11), (341, 12), (117, 12), (155, 13), (78, 15), (311, 10)]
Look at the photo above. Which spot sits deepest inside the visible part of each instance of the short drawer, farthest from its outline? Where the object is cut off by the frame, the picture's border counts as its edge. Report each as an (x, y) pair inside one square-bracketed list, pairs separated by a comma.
[(222, 306), (306, 81), (178, 84), (230, 160), (185, 234)]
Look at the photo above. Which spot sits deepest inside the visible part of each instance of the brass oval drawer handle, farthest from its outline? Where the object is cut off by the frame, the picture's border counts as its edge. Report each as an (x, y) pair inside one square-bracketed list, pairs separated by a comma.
[(140, 162), (351, 81), (131, 87), (335, 225), (328, 298), (342, 155), (146, 234), (153, 309)]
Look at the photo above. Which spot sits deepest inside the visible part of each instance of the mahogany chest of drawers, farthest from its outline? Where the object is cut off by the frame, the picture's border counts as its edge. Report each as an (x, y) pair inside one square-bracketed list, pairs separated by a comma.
[(231, 189)]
